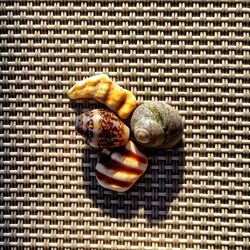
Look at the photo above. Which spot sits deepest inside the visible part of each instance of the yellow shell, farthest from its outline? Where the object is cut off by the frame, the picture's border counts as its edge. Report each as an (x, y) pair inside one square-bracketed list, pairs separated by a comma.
[(119, 170), (101, 88)]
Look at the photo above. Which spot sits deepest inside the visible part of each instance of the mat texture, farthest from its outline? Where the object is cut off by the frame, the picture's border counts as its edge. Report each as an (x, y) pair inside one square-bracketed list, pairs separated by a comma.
[(194, 55)]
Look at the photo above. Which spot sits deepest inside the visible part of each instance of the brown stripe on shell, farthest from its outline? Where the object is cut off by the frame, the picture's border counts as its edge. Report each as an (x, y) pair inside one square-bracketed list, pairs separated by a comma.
[(135, 156), (111, 181), (122, 102), (119, 167), (108, 162)]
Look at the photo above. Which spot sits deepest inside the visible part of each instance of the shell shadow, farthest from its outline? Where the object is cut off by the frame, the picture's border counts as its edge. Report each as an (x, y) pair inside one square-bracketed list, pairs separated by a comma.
[(150, 198)]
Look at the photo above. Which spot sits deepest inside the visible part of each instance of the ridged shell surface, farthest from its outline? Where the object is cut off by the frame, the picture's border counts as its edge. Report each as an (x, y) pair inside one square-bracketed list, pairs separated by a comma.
[(102, 129), (156, 125), (119, 170), (101, 88)]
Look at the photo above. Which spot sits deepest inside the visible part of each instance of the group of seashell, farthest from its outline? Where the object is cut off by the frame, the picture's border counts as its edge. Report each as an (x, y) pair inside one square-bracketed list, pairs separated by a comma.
[(153, 125)]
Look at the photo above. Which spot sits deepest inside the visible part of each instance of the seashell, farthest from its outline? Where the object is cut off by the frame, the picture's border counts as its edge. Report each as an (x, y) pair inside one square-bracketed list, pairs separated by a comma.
[(102, 129), (156, 125), (101, 88), (119, 170)]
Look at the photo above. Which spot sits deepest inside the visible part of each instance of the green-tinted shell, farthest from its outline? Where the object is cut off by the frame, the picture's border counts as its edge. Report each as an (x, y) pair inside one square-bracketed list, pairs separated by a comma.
[(156, 125)]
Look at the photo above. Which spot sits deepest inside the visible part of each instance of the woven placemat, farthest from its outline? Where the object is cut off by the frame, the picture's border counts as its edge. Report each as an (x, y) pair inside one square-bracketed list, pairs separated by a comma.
[(193, 54)]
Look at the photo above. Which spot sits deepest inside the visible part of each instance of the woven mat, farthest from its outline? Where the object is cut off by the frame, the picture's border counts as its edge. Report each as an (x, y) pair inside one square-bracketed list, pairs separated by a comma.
[(194, 55)]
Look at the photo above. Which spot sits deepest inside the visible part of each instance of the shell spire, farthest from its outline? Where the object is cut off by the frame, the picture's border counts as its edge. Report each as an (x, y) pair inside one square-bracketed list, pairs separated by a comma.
[(156, 125)]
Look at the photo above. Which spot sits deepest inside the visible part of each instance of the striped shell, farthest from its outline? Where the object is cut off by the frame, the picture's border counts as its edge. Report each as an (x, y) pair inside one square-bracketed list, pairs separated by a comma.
[(156, 125), (119, 170), (101, 88), (102, 129)]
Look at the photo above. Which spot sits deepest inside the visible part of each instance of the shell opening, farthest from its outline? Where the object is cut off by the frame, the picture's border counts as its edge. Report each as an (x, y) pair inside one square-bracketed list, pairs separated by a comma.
[(142, 135)]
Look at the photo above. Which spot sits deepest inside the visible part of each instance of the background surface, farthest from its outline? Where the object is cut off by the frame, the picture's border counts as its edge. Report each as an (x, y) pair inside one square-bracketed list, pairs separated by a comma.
[(193, 54)]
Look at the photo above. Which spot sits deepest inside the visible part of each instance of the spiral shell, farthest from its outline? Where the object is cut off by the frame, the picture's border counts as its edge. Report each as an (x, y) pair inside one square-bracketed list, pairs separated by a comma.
[(119, 170), (101, 88), (156, 125), (102, 129)]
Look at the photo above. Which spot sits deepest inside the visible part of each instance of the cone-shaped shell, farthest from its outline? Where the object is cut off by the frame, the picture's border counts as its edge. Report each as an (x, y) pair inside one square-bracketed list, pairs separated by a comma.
[(101, 88), (102, 129), (156, 125), (118, 170)]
